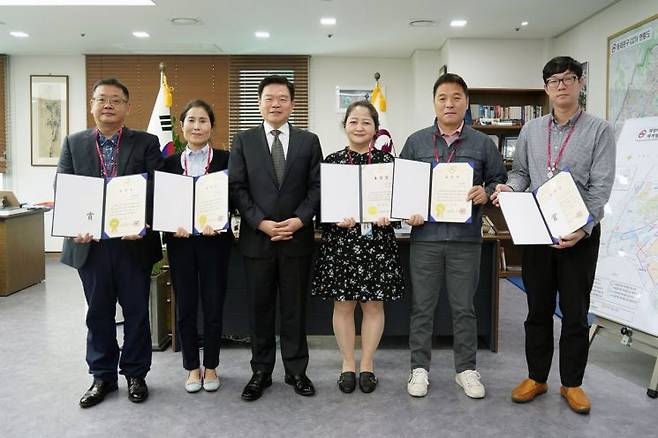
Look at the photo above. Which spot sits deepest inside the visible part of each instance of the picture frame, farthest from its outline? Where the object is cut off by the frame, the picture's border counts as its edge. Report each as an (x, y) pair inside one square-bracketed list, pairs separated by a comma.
[(49, 117), (582, 98), (345, 96), (509, 146)]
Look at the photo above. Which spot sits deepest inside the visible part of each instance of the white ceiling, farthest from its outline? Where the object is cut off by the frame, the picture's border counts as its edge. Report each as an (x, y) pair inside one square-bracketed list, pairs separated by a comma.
[(364, 27)]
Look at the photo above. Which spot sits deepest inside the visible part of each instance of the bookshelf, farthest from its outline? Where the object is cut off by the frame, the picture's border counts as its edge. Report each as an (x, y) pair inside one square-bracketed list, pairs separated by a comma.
[(509, 254)]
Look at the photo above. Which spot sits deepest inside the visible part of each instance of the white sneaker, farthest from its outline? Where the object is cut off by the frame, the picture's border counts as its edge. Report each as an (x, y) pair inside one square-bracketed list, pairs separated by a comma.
[(418, 382), (469, 380)]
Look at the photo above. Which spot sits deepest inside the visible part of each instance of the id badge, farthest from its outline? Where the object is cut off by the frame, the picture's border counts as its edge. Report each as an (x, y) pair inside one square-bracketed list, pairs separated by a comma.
[(366, 229)]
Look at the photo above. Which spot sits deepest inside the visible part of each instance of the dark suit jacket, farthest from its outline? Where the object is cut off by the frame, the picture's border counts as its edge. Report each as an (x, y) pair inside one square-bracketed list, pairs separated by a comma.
[(219, 162), (139, 152), (255, 193)]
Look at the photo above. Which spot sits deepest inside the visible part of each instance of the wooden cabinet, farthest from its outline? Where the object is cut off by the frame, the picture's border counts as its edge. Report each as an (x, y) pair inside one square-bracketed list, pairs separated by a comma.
[(22, 259)]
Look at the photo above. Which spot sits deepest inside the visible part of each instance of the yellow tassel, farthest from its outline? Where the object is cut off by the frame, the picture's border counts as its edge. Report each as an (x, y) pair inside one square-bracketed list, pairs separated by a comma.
[(377, 98), (168, 92)]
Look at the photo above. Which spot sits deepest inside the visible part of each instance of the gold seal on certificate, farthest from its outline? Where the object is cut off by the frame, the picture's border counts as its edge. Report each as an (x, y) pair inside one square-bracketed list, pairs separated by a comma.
[(450, 185)]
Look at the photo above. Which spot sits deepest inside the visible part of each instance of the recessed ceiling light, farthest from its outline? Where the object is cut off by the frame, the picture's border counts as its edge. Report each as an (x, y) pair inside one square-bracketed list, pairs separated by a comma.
[(261, 34), (140, 34), (19, 34), (185, 21), (422, 23), (458, 23), (76, 3), (328, 21), (524, 23)]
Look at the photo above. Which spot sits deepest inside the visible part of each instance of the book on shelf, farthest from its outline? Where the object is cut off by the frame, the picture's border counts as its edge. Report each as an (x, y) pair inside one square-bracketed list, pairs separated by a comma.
[(503, 115)]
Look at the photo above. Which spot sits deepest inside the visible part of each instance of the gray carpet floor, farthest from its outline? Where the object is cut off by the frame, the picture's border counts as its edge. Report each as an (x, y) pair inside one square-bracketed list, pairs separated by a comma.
[(42, 344)]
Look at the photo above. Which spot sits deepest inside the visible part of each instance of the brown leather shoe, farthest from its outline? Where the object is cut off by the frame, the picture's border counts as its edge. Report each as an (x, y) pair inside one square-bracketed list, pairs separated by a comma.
[(576, 398), (527, 391)]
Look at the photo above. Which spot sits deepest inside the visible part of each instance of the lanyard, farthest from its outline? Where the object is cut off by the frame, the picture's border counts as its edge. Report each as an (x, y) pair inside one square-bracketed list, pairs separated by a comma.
[(549, 147), (183, 161), (451, 155), (349, 155), (113, 172)]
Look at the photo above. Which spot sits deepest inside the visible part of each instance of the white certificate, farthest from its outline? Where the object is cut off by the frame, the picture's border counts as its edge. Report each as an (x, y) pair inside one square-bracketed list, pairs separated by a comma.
[(450, 185), (523, 218), (211, 201), (376, 191), (78, 206), (339, 192), (172, 202), (562, 206), (411, 188), (125, 206)]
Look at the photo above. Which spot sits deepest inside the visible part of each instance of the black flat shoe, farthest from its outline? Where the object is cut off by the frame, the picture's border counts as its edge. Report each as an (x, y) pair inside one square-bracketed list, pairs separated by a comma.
[(258, 382), (347, 381), (137, 389), (367, 381), (301, 383), (97, 392)]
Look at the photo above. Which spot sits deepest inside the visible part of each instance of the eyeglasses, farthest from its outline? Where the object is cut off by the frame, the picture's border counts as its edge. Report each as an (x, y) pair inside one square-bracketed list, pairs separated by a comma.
[(567, 81), (114, 101)]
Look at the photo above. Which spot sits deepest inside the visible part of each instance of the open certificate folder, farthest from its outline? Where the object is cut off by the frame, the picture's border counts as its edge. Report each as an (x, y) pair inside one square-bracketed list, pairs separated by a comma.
[(103, 208), (362, 192), (411, 188), (555, 209), (191, 203)]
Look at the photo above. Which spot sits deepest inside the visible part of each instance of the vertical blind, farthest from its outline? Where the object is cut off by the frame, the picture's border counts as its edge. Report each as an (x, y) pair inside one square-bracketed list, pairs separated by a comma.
[(229, 83)]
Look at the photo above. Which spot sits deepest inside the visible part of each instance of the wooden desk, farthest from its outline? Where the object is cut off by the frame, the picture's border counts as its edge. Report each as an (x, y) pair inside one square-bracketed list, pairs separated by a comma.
[(22, 260)]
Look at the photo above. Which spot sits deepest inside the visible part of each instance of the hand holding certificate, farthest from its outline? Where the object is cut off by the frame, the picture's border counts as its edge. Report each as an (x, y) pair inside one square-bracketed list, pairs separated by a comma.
[(555, 210), (114, 207)]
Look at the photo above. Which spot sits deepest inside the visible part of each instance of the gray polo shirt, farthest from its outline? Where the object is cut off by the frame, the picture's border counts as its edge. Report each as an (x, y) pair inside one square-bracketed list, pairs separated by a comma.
[(589, 155), (489, 170)]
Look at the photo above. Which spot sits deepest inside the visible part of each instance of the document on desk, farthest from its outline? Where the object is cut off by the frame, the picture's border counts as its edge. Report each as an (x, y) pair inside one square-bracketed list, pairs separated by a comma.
[(125, 206), (173, 200), (78, 206), (555, 209), (339, 192), (562, 206), (450, 185), (211, 201), (376, 191), (411, 188)]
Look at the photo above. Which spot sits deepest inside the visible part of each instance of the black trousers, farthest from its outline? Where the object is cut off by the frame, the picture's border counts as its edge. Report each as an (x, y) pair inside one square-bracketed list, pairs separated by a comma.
[(199, 267), (287, 277), (571, 272), (112, 273)]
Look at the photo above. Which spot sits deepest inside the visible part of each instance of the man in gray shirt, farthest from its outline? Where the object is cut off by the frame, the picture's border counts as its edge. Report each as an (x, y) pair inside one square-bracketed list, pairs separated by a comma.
[(449, 253), (567, 139)]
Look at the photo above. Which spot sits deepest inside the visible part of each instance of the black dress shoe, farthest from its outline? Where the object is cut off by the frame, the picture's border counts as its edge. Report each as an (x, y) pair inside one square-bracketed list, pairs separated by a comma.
[(347, 381), (137, 389), (301, 383), (97, 392), (258, 382), (367, 381)]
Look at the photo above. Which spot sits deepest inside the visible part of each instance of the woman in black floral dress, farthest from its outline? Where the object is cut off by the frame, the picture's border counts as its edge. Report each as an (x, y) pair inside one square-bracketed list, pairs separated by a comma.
[(356, 266)]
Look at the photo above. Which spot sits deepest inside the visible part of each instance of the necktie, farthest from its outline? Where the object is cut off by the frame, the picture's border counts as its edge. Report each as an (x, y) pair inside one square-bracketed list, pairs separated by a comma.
[(278, 158)]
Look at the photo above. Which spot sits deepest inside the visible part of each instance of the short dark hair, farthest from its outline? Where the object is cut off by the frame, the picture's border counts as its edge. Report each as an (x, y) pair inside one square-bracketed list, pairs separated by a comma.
[(113, 82), (198, 103), (367, 105), (561, 64), (276, 79), (450, 78)]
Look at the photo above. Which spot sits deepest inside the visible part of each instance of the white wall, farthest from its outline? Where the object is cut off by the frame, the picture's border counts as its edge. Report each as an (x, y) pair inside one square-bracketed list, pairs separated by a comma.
[(329, 72), (425, 66), (35, 184), (589, 41), (497, 63)]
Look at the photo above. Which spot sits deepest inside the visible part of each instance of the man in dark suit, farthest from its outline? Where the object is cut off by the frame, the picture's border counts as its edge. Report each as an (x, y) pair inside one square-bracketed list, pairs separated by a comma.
[(114, 268), (274, 179)]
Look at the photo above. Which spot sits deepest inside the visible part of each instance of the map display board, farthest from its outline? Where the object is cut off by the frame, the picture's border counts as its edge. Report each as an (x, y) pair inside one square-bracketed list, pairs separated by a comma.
[(626, 284), (633, 73)]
